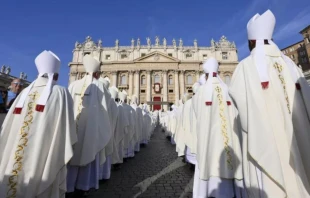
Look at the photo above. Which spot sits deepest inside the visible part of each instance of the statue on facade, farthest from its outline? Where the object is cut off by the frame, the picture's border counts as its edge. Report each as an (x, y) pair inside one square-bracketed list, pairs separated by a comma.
[(138, 42), (212, 43), (116, 43), (156, 40), (174, 43), (88, 38), (165, 42), (21, 75), (195, 43), (148, 41), (180, 43), (3, 68), (223, 38), (25, 76), (76, 44), (8, 70), (233, 45), (100, 43), (132, 42)]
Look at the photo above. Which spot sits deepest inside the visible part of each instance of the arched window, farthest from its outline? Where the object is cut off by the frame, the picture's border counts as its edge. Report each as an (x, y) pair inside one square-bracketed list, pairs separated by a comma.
[(170, 80), (156, 79), (123, 80), (143, 80), (227, 79), (189, 79)]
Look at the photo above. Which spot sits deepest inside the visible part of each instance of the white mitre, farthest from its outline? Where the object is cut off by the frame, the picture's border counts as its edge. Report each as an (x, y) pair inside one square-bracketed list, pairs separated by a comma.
[(134, 99), (91, 64), (47, 63), (124, 92), (211, 67), (195, 87), (260, 28), (114, 92), (122, 96), (202, 79)]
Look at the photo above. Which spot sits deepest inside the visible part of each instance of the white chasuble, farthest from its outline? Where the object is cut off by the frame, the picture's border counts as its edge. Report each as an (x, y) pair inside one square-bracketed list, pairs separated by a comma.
[(179, 133), (218, 146), (128, 111), (113, 113), (36, 146), (139, 123), (91, 120), (275, 128), (122, 124)]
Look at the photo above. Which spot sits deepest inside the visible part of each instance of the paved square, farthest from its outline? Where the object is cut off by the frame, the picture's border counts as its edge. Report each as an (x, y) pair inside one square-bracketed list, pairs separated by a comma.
[(155, 171)]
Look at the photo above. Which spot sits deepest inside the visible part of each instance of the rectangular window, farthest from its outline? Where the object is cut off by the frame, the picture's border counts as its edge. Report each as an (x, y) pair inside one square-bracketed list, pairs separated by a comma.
[(169, 54), (190, 91), (142, 90), (204, 57), (108, 57), (123, 56), (143, 54), (188, 55), (224, 56), (170, 90)]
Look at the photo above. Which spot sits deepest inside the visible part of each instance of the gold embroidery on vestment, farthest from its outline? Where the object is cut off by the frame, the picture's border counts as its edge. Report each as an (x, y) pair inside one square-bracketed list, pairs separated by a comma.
[(22, 144), (279, 68), (80, 107), (224, 128)]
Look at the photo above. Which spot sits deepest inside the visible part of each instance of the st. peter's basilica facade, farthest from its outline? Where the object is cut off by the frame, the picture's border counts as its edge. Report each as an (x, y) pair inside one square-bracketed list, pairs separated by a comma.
[(158, 73)]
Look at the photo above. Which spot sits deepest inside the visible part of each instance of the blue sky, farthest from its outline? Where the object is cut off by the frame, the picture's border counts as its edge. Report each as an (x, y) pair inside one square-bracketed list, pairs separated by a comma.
[(28, 27)]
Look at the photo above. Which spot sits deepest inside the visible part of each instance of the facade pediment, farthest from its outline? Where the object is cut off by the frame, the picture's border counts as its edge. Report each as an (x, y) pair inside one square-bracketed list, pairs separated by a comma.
[(156, 57)]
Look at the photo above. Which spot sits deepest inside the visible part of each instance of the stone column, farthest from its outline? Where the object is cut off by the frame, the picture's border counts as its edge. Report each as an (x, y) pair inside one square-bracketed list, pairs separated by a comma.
[(148, 87), (176, 88), (165, 89), (114, 78), (137, 84), (182, 83), (197, 75), (130, 88)]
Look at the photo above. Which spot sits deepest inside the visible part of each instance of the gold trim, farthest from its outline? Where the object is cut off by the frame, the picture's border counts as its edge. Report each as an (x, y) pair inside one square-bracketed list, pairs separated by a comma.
[(80, 107), (22, 144), (224, 127), (279, 68)]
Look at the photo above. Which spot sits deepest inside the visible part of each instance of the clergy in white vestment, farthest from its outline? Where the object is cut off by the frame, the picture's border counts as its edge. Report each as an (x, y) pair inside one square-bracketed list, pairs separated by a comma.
[(93, 128), (130, 130), (173, 122), (139, 122), (182, 121), (105, 169), (218, 153), (37, 136), (189, 126), (273, 100), (121, 129), (146, 130)]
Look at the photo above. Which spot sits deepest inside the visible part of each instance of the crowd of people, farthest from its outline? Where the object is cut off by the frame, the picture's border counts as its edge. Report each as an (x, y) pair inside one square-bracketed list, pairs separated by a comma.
[(7, 97), (250, 139), (58, 141)]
